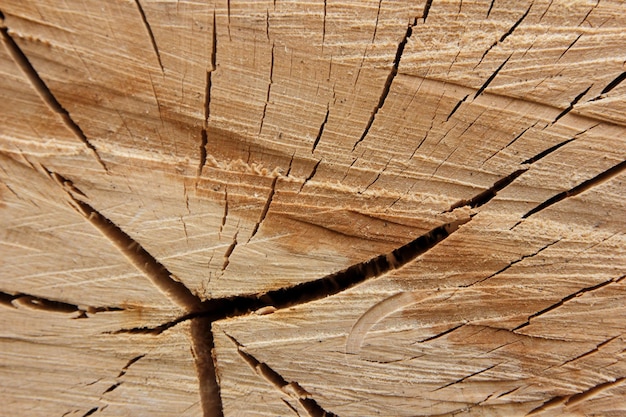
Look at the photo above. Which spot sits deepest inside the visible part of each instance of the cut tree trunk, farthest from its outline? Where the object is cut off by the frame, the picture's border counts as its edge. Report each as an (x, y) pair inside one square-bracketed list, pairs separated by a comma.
[(279, 208)]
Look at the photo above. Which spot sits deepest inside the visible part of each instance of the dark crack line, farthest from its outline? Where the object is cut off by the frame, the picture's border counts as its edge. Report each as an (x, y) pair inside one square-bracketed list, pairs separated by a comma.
[(491, 77), (269, 90), (458, 381), (566, 299), (572, 104), (291, 389), (42, 89), (487, 195), (590, 352), (266, 208), (321, 131), (21, 300), (146, 24), (580, 188), (156, 272), (569, 400), (512, 263), (207, 100), (388, 81)]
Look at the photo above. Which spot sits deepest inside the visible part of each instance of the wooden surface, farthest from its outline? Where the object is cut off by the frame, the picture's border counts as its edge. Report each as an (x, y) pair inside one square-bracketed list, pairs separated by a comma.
[(279, 208)]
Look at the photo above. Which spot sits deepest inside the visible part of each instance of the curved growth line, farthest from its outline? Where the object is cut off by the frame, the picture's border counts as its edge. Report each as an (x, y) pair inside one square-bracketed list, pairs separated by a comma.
[(378, 312)]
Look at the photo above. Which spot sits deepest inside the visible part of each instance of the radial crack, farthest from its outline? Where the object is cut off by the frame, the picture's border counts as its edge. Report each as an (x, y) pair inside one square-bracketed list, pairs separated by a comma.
[(491, 77), (572, 104), (566, 299), (580, 188), (291, 389), (146, 24), (44, 92), (156, 272), (487, 195), (31, 302), (390, 78), (266, 208)]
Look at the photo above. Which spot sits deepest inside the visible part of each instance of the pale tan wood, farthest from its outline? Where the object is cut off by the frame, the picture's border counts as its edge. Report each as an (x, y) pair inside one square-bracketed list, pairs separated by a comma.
[(167, 167)]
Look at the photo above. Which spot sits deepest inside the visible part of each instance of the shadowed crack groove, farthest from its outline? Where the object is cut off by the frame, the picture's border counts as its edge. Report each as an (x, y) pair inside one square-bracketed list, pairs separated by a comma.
[(572, 104), (492, 77), (131, 249), (311, 175), (593, 391), (614, 83), (569, 400), (547, 152), (42, 89), (269, 90), (207, 101), (427, 9), (566, 299), (519, 21), (90, 412), (458, 381), (486, 196), (128, 365), (390, 78), (456, 107), (292, 389), (441, 334), (505, 35), (598, 179), (512, 263), (266, 208), (144, 19), (140, 258), (229, 252), (321, 131), (20, 300), (490, 8), (202, 349), (591, 352), (551, 403)]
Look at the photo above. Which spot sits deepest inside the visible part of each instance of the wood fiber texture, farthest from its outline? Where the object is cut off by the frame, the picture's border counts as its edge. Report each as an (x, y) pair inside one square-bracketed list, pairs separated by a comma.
[(320, 208)]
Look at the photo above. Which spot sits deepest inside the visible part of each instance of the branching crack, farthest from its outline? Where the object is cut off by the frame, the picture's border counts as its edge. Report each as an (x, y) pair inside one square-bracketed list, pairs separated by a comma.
[(44, 92), (291, 389)]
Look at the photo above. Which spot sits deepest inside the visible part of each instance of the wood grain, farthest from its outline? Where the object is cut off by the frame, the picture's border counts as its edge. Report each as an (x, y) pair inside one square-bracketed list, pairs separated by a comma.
[(312, 208)]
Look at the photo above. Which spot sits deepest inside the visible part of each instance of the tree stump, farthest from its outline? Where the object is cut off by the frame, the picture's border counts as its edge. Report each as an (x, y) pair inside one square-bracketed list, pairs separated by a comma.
[(279, 208)]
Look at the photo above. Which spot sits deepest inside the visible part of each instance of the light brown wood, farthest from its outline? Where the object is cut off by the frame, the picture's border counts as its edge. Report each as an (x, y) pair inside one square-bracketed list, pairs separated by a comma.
[(312, 208)]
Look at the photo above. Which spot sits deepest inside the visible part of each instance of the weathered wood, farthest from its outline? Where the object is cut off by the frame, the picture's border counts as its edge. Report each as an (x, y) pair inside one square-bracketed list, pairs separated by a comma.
[(312, 208)]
